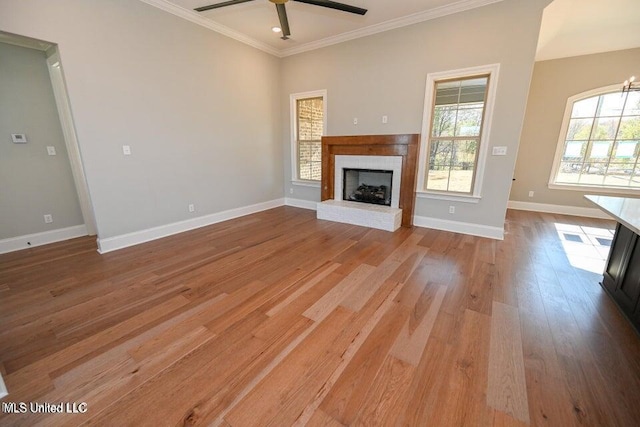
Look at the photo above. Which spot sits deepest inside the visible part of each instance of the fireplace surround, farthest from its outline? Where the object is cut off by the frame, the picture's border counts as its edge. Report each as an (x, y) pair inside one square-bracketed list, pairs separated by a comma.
[(403, 146)]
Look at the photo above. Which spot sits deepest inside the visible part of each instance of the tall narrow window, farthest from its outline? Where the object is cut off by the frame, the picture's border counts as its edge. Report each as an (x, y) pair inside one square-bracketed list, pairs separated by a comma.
[(599, 144), (309, 126), (456, 128)]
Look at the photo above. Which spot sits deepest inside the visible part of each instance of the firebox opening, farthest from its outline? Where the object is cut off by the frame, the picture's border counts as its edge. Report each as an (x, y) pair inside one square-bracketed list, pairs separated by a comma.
[(367, 186)]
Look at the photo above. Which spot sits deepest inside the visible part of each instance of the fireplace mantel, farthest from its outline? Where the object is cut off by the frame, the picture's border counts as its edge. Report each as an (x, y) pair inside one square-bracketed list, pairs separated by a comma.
[(405, 145)]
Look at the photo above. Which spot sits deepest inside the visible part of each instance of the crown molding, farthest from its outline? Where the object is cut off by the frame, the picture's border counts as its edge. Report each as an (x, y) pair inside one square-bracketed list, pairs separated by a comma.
[(415, 18), (392, 24), (207, 23)]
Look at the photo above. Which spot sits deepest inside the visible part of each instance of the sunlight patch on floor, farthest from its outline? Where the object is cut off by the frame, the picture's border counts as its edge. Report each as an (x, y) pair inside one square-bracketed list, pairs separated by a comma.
[(586, 248)]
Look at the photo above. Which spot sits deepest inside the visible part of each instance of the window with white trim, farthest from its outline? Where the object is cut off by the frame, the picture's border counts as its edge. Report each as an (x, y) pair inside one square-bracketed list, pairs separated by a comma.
[(599, 142), (308, 113), (456, 124), (456, 121)]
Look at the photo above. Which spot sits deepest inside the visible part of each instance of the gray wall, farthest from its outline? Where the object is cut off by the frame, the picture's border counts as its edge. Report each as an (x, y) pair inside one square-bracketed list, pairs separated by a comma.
[(199, 110), (385, 74), (32, 183), (553, 82)]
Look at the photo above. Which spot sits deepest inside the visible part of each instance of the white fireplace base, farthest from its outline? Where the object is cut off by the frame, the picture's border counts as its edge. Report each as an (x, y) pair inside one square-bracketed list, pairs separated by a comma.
[(367, 215)]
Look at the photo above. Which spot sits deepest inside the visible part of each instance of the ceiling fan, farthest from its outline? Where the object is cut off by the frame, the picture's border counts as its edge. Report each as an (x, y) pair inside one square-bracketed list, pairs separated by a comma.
[(282, 12)]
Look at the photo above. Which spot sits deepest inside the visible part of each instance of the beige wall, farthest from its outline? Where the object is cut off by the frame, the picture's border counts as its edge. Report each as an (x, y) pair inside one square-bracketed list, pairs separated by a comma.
[(199, 110), (385, 74), (553, 82), (207, 118), (32, 183)]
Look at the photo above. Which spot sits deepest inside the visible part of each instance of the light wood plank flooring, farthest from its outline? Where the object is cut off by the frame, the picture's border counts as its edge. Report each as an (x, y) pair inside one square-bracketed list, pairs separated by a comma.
[(280, 319)]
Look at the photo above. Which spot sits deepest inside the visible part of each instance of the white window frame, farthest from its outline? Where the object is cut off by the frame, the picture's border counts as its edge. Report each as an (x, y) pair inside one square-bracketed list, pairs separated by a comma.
[(293, 99), (493, 71), (560, 148)]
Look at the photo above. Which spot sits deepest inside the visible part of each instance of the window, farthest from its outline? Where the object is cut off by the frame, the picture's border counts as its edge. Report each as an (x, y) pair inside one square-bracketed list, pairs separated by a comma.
[(599, 142), (456, 119), (309, 124), (455, 133)]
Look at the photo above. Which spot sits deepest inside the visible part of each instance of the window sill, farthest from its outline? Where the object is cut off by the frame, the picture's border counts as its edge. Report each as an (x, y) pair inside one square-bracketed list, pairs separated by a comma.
[(449, 197), (306, 183), (592, 189)]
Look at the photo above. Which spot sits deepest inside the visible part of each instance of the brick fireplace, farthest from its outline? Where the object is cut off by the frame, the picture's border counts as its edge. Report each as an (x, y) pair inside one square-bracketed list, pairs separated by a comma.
[(393, 153)]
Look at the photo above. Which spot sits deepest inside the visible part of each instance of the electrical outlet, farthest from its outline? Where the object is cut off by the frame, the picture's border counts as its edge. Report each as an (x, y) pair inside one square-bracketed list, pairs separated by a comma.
[(192, 208), (291, 191), (51, 150), (126, 150), (385, 119), (48, 219), (19, 138), (355, 120), (452, 209), (530, 193)]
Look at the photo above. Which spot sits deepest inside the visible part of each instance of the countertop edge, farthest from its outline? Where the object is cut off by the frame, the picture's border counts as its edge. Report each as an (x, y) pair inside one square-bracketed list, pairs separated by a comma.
[(621, 219)]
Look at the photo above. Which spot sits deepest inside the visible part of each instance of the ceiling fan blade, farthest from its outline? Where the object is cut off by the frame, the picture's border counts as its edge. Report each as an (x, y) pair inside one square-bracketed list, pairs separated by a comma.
[(284, 21), (335, 5), (217, 5)]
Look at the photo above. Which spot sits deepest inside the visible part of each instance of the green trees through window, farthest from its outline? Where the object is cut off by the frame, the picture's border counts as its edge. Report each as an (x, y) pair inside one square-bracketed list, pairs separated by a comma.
[(456, 127), (601, 145)]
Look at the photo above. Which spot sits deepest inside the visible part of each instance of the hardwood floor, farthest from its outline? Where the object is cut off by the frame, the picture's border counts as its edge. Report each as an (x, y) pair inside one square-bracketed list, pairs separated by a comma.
[(280, 319)]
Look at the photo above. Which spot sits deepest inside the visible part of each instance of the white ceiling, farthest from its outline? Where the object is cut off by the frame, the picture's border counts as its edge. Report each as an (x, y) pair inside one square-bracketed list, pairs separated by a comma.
[(312, 26), (582, 27), (569, 27)]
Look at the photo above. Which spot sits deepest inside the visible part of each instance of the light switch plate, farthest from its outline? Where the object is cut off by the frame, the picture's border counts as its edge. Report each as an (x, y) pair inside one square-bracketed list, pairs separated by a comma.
[(499, 151), (51, 150), (19, 138), (126, 150)]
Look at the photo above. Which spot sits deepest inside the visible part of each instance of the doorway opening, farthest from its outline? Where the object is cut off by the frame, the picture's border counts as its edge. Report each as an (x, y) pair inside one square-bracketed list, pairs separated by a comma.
[(42, 74)]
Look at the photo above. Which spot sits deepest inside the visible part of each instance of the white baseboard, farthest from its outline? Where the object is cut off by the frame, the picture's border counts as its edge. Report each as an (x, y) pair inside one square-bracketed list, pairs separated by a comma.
[(300, 203), (558, 209), (130, 239), (480, 230), (3, 388), (44, 238)]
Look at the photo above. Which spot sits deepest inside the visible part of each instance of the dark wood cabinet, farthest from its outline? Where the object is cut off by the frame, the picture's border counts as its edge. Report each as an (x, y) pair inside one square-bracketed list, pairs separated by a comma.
[(622, 273)]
